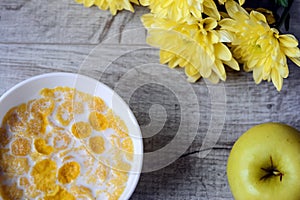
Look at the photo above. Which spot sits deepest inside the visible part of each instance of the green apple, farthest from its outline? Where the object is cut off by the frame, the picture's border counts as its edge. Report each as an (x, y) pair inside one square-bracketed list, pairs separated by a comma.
[(264, 164)]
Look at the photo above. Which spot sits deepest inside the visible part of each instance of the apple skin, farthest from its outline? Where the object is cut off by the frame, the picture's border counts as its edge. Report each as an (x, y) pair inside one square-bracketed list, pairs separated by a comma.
[(274, 147)]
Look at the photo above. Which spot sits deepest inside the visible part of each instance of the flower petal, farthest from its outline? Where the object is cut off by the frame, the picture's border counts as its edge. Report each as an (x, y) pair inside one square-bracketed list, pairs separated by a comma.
[(234, 8), (213, 78), (284, 71), (220, 70), (233, 64), (86, 3), (241, 2), (258, 16), (193, 75), (193, 79), (228, 24), (291, 51), (222, 52), (135, 2), (190, 70), (267, 68), (257, 75), (295, 60), (276, 79), (205, 71), (210, 9), (288, 40), (209, 23), (225, 36), (144, 2)]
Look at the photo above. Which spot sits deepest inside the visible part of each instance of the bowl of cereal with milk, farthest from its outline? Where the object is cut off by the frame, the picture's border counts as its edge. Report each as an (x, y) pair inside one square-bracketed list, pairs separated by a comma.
[(67, 136)]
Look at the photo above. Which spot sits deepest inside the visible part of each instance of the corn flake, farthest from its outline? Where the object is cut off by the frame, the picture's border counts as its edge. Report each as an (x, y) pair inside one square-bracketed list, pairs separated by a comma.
[(37, 125), (61, 140), (5, 137), (9, 192), (98, 121), (61, 194), (82, 192), (97, 104), (68, 172), (65, 114), (21, 147), (96, 144), (14, 165), (43, 106), (81, 129), (42, 147), (44, 175)]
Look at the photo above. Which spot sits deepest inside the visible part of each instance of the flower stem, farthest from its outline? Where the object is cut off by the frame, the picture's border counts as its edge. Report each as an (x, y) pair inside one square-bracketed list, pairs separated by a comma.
[(284, 15)]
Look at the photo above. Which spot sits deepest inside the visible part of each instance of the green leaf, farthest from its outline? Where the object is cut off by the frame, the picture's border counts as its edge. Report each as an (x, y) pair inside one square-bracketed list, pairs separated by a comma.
[(283, 3)]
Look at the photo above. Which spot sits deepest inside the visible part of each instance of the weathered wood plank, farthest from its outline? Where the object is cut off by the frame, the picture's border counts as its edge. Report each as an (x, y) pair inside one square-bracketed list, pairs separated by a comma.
[(188, 178), (65, 22)]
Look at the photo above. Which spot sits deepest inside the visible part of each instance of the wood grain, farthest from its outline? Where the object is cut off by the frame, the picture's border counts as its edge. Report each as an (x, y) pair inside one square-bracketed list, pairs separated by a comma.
[(38, 37), (64, 22)]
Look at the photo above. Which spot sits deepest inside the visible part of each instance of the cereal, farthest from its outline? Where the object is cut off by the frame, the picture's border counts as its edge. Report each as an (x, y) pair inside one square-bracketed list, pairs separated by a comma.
[(4, 137), (64, 114), (44, 175), (96, 144), (42, 147), (11, 192), (15, 123), (97, 104), (20, 147), (81, 130), (101, 172), (43, 106), (68, 172), (98, 121), (14, 165), (127, 145), (61, 194), (122, 166), (82, 192), (118, 192), (78, 108), (37, 125), (61, 140), (53, 148), (46, 92), (116, 123), (23, 181)]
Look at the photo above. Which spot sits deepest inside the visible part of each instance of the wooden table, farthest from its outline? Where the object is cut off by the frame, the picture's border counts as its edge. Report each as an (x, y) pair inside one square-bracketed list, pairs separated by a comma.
[(38, 36)]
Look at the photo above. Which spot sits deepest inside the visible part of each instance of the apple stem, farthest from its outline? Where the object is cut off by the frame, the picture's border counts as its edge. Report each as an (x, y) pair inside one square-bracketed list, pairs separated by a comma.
[(271, 171), (277, 173)]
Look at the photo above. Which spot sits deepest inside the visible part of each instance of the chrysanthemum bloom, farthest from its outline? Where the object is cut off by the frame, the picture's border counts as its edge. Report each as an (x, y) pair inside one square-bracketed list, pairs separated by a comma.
[(112, 5), (182, 10), (258, 47), (197, 46)]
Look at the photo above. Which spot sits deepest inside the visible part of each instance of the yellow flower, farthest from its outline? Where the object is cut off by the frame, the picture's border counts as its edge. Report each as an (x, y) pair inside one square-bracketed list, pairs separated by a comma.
[(258, 47), (241, 2), (113, 5), (182, 10), (198, 46)]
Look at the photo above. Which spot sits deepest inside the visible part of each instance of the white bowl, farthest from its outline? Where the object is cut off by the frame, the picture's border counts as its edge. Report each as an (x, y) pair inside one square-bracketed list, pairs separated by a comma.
[(29, 89)]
